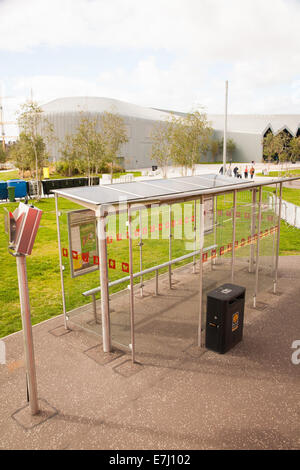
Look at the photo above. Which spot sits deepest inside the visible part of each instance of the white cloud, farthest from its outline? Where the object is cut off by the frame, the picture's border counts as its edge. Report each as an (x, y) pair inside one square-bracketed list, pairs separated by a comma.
[(212, 29), (252, 43), (146, 84)]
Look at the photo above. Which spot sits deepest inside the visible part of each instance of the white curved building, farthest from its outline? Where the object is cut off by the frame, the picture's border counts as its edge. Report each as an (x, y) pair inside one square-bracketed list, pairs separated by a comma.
[(65, 114), (247, 131)]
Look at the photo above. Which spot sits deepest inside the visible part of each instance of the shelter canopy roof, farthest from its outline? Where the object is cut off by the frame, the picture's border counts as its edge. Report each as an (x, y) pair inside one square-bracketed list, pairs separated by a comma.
[(149, 189)]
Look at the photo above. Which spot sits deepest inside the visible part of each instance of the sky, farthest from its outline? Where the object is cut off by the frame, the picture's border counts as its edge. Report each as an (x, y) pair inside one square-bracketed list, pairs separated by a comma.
[(169, 54)]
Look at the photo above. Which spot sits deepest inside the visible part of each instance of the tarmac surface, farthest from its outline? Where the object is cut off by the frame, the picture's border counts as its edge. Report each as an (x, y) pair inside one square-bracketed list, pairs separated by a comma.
[(176, 396)]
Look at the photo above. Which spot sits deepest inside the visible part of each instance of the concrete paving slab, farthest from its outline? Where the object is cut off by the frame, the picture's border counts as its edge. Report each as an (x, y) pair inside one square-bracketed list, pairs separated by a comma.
[(176, 396)]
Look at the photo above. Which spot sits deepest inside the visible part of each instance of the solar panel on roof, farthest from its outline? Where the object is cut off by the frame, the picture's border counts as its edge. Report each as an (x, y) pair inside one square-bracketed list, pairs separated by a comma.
[(140, 190)]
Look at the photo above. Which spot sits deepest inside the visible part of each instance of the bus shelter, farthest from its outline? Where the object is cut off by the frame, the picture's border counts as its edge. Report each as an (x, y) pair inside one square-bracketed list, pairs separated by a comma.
[(121, 244)]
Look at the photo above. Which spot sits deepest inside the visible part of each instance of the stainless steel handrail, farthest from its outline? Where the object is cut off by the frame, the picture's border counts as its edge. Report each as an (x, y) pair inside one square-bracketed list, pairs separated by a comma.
[(149, 270)]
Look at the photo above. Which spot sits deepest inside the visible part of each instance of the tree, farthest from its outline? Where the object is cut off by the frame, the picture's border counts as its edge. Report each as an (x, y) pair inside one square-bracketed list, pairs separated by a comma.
[(295, 149), (21, 153), (284, 150), (3, 155), (191, 136), (36, 132), (161, 136), (86, 144), (230, 148), (114, 135), (68, 153), (215, 149), (271, 146)]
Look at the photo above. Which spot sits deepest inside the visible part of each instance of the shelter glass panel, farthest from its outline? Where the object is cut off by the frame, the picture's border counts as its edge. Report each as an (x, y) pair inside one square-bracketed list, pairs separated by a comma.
[(244, 261), (217, 251), (267, 238), (118, 268), (79, 251)]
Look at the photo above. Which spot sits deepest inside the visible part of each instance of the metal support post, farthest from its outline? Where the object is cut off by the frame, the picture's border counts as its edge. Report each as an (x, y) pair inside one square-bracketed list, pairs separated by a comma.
[(253, 227), (131, 286), (95, 308), (141, 253), (257, 247), (278, 239), (102, 243), (27, 334), (156, 282), (274, 206), (60, 263), (215, 222), (201, 233), (225, 129), (195, 238), (233, 236), (170, 245)]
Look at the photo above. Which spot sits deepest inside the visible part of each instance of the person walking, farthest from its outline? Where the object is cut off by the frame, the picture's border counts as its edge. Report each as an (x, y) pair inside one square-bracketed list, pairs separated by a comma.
[(221, 171), (252, 171), (246, 172), (235, 171)]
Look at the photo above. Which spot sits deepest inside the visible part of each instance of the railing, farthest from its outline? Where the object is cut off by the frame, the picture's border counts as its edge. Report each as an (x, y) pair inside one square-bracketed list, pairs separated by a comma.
[(156, 268)]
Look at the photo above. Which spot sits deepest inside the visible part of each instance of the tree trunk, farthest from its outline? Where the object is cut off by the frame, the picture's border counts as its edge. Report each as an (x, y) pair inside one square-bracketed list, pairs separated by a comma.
[(111, 172)]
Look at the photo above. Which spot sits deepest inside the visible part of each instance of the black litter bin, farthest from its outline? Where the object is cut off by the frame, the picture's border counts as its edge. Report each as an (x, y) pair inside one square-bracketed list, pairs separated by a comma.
[(225, 317)]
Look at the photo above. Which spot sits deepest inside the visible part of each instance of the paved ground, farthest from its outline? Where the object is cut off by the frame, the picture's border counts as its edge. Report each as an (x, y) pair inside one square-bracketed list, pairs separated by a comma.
[(245, 399)]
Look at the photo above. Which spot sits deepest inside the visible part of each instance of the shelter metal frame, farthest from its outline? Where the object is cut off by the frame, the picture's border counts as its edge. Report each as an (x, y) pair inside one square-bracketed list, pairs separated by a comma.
[(102, 211)]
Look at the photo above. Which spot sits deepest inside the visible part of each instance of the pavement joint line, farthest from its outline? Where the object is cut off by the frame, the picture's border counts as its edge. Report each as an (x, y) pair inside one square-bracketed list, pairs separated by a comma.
[(62, 334), (136, 368), (38, 419), (115, 354)]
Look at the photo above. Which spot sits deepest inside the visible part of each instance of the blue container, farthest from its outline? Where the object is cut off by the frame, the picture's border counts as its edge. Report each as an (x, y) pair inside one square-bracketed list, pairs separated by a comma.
[(3, 190), (20, 187)]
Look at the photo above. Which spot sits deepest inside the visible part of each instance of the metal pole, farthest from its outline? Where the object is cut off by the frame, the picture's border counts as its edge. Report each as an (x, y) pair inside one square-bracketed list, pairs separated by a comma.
[(225, 128), (102, 243), (195, 242), (170, 245), (278, 239), (201, 227), (141, 253), (233, 236), (253, 226), (61, 267), (131, 286), (274, 205), (27, 334), (257, 247), (215, 209), (156, 282), (95, 308)]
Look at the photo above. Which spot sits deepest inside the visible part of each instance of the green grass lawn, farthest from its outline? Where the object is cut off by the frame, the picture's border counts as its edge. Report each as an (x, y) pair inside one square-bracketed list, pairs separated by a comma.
[(9, 175), (14, 174), (288, 194), (276, 174), (43, 264)]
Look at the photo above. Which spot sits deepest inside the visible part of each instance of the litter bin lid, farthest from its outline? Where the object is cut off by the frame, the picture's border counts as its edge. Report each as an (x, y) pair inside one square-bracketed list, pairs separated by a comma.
[(226, 292)]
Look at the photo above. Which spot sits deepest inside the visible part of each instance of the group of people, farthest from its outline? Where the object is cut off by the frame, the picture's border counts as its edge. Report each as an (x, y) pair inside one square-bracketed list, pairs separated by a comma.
[(238, 171)]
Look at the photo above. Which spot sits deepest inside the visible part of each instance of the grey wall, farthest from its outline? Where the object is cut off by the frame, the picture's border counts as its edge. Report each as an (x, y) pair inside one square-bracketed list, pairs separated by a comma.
[(135, 153), (248, 146)]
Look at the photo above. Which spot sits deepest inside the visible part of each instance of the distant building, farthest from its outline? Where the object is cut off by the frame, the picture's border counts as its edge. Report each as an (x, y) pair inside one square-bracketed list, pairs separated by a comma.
[(247, 131), (66, 113)]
